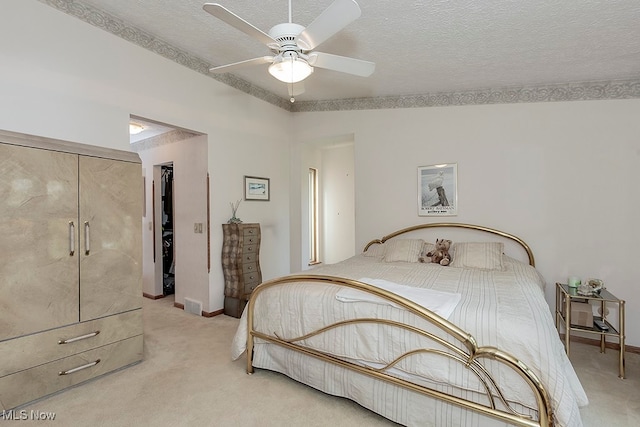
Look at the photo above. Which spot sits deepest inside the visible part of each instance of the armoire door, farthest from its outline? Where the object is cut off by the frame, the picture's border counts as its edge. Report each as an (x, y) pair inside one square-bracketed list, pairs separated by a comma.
[(110, 237), (38, 240)]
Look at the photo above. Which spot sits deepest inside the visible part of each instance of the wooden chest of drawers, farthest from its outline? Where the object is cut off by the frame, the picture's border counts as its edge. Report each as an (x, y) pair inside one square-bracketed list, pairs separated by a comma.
[(240, 265)]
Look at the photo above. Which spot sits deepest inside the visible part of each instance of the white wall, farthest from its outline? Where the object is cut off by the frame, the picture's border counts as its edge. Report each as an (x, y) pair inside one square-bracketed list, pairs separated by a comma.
[(63, 78), (562, 176), (338, 202)]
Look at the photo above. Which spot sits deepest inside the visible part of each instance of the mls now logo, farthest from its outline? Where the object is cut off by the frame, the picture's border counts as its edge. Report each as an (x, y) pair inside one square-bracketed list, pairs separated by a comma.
[(23, 414)]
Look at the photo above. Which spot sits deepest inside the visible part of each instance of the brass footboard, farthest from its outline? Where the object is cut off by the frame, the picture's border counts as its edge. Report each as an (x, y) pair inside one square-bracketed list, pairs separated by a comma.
[(461, 348)]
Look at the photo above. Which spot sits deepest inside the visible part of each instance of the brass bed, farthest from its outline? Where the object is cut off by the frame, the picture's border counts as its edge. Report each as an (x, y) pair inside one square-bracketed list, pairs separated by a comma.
[(477, 389)]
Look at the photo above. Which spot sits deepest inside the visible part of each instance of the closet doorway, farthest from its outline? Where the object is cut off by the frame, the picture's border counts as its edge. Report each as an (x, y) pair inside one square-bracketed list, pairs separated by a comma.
[(175, 242), (166, 219)]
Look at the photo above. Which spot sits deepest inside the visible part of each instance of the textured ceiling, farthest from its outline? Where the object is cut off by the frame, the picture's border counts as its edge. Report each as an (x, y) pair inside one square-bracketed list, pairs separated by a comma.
[(419, 46)]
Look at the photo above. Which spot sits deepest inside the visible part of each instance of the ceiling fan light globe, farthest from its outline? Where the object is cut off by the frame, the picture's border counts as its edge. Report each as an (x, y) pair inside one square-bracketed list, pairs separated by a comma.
[(290, 70)]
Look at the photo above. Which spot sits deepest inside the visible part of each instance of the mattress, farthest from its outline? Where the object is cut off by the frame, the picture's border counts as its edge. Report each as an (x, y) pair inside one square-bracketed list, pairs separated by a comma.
[(501, 308)]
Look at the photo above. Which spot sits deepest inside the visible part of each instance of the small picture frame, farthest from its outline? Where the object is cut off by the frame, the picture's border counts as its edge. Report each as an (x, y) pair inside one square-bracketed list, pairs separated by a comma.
[(438, 190), (256, 188)]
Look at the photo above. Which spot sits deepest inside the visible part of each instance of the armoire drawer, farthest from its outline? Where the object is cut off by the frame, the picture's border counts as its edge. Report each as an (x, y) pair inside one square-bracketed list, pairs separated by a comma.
[(32, 350), (25, 386)]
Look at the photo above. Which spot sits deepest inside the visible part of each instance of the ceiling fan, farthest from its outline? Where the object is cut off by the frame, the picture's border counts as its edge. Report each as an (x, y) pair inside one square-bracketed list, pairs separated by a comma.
[(293, 58)]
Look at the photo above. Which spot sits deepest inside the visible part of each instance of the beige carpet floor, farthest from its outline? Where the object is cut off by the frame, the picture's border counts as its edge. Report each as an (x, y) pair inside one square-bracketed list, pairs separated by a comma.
[(188, 379)]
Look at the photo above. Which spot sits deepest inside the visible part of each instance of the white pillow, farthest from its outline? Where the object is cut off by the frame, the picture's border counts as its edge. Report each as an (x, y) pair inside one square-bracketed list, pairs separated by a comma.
[(376, 250), (480, 255), (407, 250)]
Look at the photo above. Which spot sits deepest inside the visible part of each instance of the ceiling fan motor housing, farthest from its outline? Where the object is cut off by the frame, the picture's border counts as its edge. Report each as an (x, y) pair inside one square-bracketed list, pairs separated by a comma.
[(286, 34)]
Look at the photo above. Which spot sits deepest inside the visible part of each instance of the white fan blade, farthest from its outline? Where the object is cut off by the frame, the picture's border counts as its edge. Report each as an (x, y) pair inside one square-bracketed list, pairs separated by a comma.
[(334, 18), (242, 64), (235, 21), (296, 89), (343, 64)]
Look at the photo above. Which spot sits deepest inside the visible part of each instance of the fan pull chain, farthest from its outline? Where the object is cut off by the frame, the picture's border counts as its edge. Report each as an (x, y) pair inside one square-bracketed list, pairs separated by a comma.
[(292, 99)]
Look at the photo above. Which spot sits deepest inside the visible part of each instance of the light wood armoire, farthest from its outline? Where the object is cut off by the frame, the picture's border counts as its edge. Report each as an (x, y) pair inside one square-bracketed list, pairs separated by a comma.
[(71, 264)]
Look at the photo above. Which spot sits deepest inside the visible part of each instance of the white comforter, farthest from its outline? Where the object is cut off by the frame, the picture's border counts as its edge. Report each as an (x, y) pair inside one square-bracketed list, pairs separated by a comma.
[(505, 309)]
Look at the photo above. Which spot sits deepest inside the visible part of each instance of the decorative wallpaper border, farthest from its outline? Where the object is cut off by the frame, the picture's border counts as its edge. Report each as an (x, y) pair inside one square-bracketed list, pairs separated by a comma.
[(118, 27), (622, 89)]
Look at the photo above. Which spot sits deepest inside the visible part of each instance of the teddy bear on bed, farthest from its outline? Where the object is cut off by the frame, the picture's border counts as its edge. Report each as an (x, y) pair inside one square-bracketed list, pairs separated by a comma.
[(438, 255)]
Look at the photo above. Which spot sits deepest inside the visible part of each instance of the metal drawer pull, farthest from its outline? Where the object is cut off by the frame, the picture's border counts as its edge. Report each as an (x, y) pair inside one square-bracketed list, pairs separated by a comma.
[(81, 337), (87, 247), (79, 368), (72, 238)]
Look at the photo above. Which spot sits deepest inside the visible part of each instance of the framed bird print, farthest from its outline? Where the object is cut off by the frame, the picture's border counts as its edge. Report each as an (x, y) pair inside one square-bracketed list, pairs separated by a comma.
[(438, 190)]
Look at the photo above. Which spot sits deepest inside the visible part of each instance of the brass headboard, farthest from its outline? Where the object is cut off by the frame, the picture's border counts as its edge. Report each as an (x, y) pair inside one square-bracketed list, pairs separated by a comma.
[(509, 236)]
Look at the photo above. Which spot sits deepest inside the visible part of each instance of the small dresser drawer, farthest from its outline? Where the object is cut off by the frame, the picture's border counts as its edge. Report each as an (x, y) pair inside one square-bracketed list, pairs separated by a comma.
[(252, 278), (248, 268), (250, 231), (249, 257), (251, 240), (250, 286), (32, 350), (25, 386), (249, 249)]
